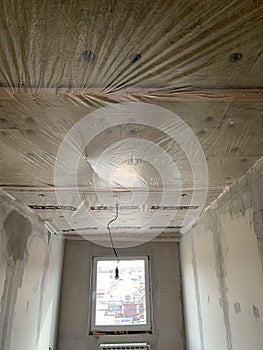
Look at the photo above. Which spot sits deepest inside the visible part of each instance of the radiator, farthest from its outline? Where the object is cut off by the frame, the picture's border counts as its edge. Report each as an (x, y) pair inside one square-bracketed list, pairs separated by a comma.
[(125, 346)]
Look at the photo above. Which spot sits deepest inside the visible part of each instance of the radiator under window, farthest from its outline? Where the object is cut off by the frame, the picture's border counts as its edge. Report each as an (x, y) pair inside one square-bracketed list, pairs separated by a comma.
[(125, 346)]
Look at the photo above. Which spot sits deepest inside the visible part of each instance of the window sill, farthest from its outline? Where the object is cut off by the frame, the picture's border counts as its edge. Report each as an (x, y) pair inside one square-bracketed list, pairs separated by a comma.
[(97, 333)]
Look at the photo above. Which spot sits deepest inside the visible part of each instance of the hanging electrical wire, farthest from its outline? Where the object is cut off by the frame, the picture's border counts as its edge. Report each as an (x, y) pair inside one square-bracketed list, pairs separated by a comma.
[(111, 240)]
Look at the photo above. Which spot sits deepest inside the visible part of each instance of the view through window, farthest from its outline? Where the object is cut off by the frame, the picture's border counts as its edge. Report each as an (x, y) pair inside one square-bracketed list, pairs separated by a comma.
[(121, 303)]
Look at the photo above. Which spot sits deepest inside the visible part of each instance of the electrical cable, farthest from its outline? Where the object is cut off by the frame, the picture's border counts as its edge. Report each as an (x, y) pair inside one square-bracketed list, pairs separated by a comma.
[(108, 227)]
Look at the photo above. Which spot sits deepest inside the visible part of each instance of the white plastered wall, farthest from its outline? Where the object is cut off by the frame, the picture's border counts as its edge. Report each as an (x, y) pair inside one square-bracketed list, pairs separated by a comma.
[(30, 270), (222, 265), (167, 318)]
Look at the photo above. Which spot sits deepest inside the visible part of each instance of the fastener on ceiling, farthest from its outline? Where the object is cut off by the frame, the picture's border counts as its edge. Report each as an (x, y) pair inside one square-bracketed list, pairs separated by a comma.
[(88, 55), (231, 124), (209, 119), (135, 57), (236, 56), (184, 195)]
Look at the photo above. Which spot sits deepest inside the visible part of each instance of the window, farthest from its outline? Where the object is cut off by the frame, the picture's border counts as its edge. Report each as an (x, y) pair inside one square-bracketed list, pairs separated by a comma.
[(121, 304)]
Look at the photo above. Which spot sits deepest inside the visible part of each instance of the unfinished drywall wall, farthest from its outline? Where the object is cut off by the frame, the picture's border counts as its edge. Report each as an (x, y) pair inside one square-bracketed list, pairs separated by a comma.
[(74, 318), (30, 269), (222, 267)]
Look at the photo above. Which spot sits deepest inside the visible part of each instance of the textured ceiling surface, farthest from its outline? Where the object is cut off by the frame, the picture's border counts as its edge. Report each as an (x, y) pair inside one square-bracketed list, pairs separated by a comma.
[(63, 61)]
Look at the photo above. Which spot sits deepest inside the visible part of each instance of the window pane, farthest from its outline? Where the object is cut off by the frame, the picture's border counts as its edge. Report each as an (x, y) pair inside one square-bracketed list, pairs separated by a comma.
[(123, 301)]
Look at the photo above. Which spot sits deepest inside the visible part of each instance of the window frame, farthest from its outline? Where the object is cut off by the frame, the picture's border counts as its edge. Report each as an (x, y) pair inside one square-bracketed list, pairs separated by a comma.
[(148, 300)]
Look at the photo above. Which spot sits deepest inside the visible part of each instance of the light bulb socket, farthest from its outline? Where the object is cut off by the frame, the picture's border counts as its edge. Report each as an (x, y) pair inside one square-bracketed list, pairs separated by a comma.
[(117, 273)]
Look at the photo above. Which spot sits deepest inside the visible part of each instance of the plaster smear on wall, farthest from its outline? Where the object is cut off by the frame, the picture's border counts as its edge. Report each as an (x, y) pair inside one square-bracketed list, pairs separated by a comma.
[(30, 275), (227, 242), (17, 231)]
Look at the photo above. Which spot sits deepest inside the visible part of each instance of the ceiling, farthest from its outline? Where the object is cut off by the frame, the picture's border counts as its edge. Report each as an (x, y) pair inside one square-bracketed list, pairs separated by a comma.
[(153, 81)]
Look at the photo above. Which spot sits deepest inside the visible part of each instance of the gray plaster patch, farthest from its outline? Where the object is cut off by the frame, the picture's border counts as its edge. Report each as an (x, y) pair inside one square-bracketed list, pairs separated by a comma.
[(13, 282), (197, 296), (258, 225), (256, 312), (49, 236), (17, 231), (221, 303), (42, 287), (27, 306), (221, 276), (237, 308)]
